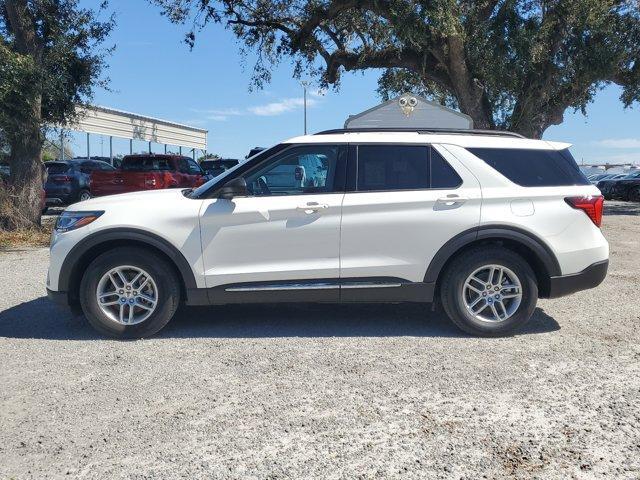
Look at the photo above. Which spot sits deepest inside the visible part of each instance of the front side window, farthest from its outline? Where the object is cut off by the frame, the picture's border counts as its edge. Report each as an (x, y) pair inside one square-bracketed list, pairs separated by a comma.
[(296, 171), (403, 167)]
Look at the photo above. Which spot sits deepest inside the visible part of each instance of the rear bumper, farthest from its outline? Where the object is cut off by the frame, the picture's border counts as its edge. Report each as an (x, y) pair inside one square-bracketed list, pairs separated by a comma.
[(590, 277)]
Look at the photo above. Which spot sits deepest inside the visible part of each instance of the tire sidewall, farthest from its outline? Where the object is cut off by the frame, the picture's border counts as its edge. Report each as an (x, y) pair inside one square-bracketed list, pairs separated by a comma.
[(163, 276), (84, 192), (458, 276)]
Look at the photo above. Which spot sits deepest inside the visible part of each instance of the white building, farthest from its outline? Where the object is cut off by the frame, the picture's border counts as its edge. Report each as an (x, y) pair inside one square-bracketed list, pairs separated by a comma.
[(409, 111)]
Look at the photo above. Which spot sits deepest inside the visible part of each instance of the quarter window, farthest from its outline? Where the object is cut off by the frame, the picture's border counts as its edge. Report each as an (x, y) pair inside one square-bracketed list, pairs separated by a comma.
[(533, 168), (403, 167)]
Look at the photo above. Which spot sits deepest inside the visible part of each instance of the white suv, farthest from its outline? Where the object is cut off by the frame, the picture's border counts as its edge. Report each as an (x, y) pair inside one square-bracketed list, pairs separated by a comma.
[(483, 223)]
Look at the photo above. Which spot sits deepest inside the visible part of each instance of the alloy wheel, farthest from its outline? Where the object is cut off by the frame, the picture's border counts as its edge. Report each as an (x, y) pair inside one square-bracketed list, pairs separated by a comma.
[(492, 293), (127, 295)]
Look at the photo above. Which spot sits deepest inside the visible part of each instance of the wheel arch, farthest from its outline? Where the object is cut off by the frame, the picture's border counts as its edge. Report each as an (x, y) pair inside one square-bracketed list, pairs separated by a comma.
[(537, 253), (97, 243)]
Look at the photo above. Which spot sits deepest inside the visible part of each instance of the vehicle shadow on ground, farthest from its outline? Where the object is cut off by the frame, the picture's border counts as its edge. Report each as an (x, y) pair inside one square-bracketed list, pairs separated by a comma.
[(41, 319)]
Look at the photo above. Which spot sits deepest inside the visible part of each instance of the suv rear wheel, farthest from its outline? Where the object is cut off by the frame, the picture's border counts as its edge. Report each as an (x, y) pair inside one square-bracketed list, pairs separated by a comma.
[(489, 291), (129, 292)]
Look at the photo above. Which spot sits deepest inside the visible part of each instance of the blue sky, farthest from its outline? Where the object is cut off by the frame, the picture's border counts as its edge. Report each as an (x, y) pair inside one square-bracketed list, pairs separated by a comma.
[(154, 73)]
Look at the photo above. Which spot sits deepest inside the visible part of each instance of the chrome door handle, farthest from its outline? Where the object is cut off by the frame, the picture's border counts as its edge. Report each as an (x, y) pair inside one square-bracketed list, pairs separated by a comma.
[(312, 207), (451, 200)]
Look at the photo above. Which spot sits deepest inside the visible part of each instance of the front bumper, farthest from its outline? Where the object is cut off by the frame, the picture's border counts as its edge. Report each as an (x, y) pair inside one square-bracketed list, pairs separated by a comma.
[(590, 277), (61, 298)]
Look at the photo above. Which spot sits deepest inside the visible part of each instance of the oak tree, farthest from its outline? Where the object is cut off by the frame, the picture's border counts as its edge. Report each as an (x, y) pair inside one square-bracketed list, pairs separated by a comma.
[(510, 64), (50, 60)]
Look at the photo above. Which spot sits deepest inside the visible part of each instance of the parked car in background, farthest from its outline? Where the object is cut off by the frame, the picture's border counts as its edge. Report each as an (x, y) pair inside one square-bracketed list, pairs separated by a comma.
[(216, 166), (68, 181), (254, 151), (627, 188), (618, 187), (594, 179), (148, 172)]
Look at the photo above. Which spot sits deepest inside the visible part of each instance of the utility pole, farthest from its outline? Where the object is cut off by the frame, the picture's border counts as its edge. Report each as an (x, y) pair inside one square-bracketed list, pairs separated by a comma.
[(305, 84), (61, 144)]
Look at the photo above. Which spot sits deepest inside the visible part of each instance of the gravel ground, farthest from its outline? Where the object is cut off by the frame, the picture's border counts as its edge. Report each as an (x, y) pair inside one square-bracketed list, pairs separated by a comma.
[(325, 391)]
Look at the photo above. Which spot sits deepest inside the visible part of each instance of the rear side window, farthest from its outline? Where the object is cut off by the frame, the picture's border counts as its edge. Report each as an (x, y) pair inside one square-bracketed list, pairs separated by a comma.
[(403, 167), (56, 168), (534, 168)]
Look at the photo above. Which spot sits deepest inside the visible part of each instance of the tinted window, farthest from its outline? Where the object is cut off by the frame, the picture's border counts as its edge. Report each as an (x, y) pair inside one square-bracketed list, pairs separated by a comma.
[(392, 167), (533, 168), (403, 167), (296, 171), (145, 164), (104, 166), (55, 168), (194, 168), (442, 174)]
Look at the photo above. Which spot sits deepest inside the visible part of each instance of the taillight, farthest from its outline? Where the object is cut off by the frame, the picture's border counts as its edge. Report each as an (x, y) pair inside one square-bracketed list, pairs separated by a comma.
[(591, 205)]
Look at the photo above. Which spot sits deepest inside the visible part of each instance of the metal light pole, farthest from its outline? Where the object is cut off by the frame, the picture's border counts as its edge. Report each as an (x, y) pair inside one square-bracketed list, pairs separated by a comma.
[(305, 84)]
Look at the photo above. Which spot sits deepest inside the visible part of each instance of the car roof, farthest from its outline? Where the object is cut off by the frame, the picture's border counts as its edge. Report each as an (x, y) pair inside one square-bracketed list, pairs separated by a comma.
[(460, 139)]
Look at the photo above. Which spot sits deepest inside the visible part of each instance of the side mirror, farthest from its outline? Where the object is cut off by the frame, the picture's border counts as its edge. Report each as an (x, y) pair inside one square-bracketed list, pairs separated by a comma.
[(234, 188)]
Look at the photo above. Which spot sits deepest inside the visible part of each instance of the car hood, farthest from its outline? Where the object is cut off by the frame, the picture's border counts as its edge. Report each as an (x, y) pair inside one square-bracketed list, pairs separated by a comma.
[(133, 198)]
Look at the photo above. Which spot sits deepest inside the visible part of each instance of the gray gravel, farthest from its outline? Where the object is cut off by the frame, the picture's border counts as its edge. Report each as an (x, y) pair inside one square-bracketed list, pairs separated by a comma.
[(325, 391)]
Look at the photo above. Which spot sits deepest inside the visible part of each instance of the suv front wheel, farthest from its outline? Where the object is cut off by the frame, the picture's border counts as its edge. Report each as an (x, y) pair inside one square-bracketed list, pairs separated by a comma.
[(129, 292), (489, 291)]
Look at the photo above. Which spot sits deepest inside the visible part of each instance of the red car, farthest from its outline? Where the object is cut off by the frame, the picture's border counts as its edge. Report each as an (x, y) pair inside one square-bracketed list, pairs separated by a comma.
[(148, 172)]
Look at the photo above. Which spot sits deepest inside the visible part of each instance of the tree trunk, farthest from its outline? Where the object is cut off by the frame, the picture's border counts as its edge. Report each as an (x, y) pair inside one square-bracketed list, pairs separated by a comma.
[(470, 94), (22, 202)]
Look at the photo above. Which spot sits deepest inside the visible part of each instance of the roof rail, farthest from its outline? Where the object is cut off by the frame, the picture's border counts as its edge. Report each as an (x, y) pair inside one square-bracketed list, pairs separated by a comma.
[(424, 131)]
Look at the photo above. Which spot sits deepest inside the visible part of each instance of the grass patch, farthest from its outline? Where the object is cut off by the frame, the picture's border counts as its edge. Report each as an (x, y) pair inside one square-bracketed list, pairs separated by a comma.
[(28, 237)]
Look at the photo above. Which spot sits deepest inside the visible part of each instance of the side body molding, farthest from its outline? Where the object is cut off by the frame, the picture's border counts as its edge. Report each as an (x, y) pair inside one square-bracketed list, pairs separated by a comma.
[(123, 235), (488, 232)]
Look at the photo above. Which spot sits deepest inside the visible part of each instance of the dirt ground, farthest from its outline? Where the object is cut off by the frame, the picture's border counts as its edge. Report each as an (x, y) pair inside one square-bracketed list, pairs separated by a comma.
[(360, 391)]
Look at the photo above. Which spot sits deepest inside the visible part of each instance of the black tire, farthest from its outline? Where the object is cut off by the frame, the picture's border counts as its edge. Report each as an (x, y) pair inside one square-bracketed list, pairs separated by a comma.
[(452, 296), (634, 194), (84, 195), (164, 276)]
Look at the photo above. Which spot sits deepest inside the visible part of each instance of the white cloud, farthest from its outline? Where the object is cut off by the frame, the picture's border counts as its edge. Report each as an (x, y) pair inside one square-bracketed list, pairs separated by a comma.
[(619, 143), (283, 106), (218, 114)]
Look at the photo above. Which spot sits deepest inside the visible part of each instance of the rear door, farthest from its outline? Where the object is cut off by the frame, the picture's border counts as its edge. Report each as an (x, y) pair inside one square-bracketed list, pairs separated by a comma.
[(403, 203)]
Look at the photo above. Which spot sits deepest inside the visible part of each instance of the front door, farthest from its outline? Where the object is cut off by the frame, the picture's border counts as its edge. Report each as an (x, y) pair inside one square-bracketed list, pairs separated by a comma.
[(285, 233)]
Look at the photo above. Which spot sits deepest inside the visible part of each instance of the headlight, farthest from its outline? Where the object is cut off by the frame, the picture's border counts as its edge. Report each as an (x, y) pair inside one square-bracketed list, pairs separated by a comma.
[(71, 220)]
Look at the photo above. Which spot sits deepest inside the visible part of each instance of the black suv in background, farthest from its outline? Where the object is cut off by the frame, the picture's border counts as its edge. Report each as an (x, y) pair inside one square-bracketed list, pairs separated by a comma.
[(216, 166), (624, 188), (68, 181)]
